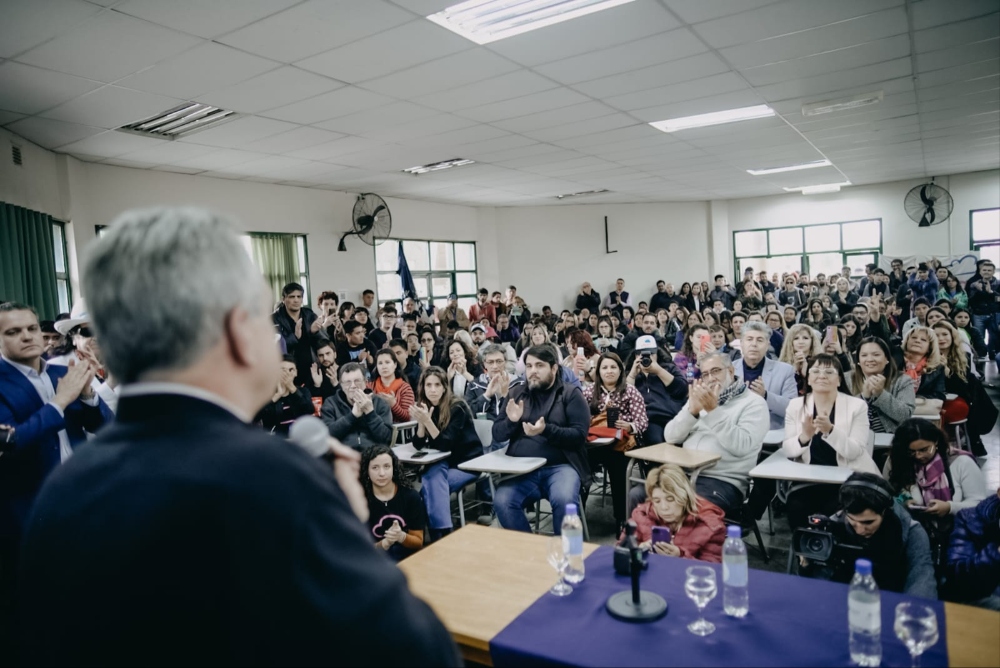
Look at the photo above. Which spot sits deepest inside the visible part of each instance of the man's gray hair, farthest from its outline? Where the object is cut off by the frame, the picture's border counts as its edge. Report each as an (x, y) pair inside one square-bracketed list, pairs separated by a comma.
[(724, 359), (160, 284), (492, 349), (759, 327)]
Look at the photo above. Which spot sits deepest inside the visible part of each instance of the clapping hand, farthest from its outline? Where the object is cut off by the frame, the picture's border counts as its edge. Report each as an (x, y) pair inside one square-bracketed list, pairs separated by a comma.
[(801, 362), (808, 426), (758, 386), (298, 328), (534, 429), (878, 384), (822, 424), (515, 410), (697, 397), (390, 397), (395, 534), (74, 385), (317, 325), (421, 414), (317, 375), (362, 403)]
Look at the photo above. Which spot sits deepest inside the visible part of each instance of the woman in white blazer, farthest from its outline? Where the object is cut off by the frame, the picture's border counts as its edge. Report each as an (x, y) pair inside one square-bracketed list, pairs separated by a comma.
[(826, 427)]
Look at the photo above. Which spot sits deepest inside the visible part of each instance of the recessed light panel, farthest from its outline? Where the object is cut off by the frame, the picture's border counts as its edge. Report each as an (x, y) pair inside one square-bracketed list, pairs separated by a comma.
[(714, 118), (438, 166), (790, 168)]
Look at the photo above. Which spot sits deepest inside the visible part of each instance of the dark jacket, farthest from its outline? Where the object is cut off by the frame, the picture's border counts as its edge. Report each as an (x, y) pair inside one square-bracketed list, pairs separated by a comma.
[(591, 301), (459, 437), (982, 302), (286, 327), (475, 395), (662, 402), (663, 300), (374, 428), (277, 416), (845, 305), (567, 421), (36, 451), (627, 345), (931, 384), (974, 553), (344, 354), (199, 539), (726, 295)]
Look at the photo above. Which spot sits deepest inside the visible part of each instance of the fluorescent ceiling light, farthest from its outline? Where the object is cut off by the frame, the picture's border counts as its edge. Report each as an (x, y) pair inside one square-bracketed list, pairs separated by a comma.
[(179, 121), (485, 21), (583, 193), (842, 104), (438, 166), (714, 118), (819, 189), (791, 168)]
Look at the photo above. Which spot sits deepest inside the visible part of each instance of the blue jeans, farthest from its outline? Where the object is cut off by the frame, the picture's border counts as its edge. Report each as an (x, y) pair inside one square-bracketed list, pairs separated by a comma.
[(560, 484), (988, 323), (438, 482)]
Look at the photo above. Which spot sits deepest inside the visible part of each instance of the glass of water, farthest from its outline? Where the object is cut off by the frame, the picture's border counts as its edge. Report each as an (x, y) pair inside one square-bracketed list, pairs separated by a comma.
[(916, 625), (559, 560), (701, 588)]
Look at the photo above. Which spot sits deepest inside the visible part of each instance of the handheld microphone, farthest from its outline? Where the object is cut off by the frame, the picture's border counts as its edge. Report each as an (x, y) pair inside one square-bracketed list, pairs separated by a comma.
[(310, 433)]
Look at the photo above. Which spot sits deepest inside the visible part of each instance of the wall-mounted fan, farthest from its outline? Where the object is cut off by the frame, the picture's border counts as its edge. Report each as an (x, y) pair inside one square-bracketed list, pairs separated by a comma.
[(372, 221), (928, 204)]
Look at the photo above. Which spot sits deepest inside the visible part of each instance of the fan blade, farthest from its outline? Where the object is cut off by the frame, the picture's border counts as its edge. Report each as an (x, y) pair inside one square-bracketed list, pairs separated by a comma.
[(379, 209), (928, 218), (365, 223), (928, 201)]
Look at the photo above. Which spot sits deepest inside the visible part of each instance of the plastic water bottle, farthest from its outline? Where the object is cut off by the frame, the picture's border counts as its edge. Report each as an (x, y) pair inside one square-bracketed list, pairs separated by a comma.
[(735, 574), (864, 616), (689, 373), (581, 358), (572, 540)]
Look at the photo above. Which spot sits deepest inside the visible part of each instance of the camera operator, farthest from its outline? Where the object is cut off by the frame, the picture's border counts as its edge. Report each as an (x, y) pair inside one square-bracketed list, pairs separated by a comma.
[(880, 530), (661, 385)]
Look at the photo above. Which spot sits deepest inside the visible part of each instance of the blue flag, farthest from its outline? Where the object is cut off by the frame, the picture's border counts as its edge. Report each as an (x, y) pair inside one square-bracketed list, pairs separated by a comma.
[(405, 277)]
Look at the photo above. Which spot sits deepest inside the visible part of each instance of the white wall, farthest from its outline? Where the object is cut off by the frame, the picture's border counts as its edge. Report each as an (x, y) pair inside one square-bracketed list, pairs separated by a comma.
[(549, 251)]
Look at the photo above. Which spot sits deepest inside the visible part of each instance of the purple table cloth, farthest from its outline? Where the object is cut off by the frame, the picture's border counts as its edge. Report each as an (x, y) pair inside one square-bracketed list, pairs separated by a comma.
[(793, 621)]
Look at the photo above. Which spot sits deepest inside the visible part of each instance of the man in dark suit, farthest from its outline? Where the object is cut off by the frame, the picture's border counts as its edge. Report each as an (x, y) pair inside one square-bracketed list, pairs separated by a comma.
[(181, 534), (48, 407)]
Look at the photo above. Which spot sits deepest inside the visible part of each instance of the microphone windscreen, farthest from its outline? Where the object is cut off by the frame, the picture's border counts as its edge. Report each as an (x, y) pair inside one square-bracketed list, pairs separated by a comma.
[(310, 433)]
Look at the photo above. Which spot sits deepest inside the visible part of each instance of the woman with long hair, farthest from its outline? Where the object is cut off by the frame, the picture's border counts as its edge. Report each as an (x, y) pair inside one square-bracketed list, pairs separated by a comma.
[(965, 398), (430, 349), (842, 297), (463, 366), (444, 422), (693, 319), (691, 352), (952, 290), (584, 366), (790, 315), (685, 291), (396, 515), (889, 394), (391, 385), (826, 427), (971, 336), (921, 361), (616, 405), (816, 316), (801, 345), (852, 330)]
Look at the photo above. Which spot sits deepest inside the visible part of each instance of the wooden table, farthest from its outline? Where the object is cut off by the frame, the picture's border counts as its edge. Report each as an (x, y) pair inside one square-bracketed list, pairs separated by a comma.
[(479, 579), (779, 467), (694, 461)]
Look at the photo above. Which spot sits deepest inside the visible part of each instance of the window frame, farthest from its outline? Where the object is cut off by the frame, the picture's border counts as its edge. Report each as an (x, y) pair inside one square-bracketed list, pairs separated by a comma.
[(430, 273), (975, 245), (63, 277), (804, 255)]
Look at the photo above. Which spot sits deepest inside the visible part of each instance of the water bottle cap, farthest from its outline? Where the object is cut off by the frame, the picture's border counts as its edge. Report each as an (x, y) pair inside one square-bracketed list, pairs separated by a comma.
[(571, 509), (734, 532), (863, 567)]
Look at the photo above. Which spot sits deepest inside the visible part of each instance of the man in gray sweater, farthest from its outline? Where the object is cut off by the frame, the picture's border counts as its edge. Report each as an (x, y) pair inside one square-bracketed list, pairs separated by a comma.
[(722, 416), (354, 417)]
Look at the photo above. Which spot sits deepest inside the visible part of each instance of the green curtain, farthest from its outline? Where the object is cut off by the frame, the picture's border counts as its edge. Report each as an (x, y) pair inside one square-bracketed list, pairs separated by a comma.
[(27, 259), (277, 257)]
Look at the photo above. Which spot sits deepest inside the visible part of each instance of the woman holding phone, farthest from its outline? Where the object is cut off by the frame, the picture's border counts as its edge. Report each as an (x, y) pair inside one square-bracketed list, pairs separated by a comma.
[(675, 521), (697, 342), (801, 344)]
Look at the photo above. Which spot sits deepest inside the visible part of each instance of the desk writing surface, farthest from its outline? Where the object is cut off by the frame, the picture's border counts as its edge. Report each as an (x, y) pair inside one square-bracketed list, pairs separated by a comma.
[(779, 467), (405, 453), (668, 453), (500, 462), (479, 579)]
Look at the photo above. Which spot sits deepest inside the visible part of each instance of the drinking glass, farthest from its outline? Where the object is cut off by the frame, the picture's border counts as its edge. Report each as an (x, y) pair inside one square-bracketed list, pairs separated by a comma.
[(916, 625), (701, 588), (558, 560)]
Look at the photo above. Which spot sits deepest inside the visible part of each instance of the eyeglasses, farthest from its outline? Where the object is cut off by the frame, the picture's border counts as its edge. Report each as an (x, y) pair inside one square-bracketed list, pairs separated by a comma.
[(823, 371), (85, 332), (427, 340), (717, 372), (926, 450)]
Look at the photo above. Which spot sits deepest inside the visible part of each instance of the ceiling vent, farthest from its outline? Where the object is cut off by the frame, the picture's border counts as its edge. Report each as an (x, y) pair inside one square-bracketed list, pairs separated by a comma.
[(180, 121), (15, 155), (438, 166), (583, 193)]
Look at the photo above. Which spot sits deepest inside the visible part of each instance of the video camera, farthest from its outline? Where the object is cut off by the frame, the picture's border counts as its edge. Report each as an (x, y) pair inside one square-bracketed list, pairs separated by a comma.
[(824, 542)]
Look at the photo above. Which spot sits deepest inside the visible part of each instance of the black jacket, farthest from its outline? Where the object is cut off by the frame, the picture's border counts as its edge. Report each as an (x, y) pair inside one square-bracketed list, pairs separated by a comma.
[(591, 301), (662, 402), (277, 416), (181, 535), (663, 300), (459, 437)]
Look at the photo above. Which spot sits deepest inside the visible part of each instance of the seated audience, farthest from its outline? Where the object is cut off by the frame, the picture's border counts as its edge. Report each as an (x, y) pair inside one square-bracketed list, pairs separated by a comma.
[(920, 308), (606, 339), (444, 422), (544, 418), (924, 283), (921, 360), (816, 316), (771, 379), (323, 372), (722, 416), (843, 297), (697, 526), (953, 291), (971, 337), (288, 402), (801, 344), (391, 386), (974, 555), (463, 366), (506, 333), (885, 534), (486, 393), (452, 312), (582, 366), (791, 295), (826, 427), (407, 362), (970, 401), (356, 348), (693, 319), (697, 342), (354, 417), (647, 327), (870, 320), (662, 388), (615, 404), (888, 393), (386, 331), (396, 515), (483, 308)]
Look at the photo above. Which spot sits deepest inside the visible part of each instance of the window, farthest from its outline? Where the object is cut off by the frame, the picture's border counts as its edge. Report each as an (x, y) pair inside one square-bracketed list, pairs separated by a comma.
[(63, 289), (985, 233), (439, 268), (273, 264), (811, 249)]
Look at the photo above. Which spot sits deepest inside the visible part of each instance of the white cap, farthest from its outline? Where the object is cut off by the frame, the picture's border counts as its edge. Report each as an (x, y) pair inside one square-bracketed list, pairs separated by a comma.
[(645, 342)]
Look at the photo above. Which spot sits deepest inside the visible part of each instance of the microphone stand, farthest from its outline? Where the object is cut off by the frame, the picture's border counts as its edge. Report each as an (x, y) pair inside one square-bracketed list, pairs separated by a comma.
[(635, 605)]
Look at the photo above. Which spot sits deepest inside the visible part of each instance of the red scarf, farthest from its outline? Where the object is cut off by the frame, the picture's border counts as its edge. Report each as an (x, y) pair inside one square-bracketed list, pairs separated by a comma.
[(379, 388), (915, 371)]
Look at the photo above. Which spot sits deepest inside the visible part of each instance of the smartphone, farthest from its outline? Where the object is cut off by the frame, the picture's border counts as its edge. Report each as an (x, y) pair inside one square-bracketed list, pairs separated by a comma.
[(418, 454), (613, 415), (914, 506), (661, 535), (703, 342), (830, 335)]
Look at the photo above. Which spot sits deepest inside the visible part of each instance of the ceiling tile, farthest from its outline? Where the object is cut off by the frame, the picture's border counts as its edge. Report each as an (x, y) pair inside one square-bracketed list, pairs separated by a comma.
[(276, 88), (204, 19), (426, 127), (335, 104), (31, 90), (579, 128), (956, 34), (784, 18), (958, 55), (235, 134), (547, 119), (202, 69), (168, 152), (330, 150), (112, 107), (395, 49), (111, 144), (831, 62), (442, 74), (522, 106), (828, 86), (696, 11), (315, 26), (51, 134), (701, 105), (505, 87), (109, 47), (375, 119), (965, 72), (631, 21), (9, 116), (686, 69), (221, 159), (292, 140), (28, 23), (263, 166), (930, 13), (465, 138), (641, 53), (728, 82)]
